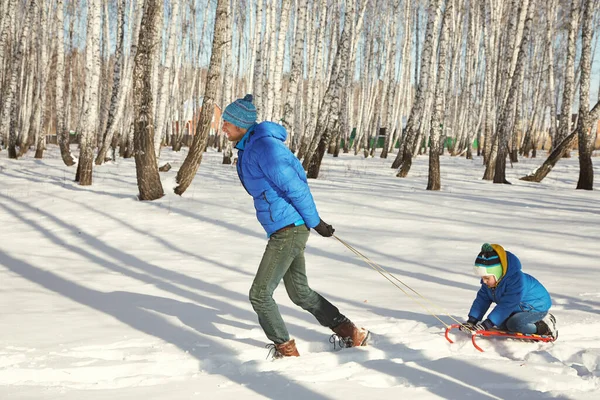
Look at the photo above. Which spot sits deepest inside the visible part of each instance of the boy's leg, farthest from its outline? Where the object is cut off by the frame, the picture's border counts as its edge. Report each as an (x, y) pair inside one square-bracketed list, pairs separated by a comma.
[(276, 260), (524, 322), (296, 284)]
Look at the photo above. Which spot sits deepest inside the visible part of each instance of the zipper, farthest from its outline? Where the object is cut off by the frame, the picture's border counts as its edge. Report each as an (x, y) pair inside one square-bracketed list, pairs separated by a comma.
[(239, 171), (494, 294), (270, 214)]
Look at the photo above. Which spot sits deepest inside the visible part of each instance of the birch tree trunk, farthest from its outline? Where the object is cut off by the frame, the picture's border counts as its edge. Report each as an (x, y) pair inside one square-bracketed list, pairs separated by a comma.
[(275, 94), (434, 180), (62, 133), (39, 128), (329, 110), (506, 120), (296, 71), (490, 147), (405, 155), (391, 79), (89, 124), (121, 82), (539, 174), (551, 16), (5, 31), (314, 99), (564, 125), (148, 178), (228, 79), (194, 158), (165, 85), (9, 117), (258, 72), (585, 137)]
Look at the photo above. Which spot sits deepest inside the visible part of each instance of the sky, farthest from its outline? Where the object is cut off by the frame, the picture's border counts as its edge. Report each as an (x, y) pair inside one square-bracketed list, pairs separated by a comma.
[(104, 296)]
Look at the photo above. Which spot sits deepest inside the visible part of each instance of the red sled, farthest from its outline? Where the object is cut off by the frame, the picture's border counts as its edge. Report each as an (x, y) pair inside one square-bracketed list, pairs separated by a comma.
[(513, 335)]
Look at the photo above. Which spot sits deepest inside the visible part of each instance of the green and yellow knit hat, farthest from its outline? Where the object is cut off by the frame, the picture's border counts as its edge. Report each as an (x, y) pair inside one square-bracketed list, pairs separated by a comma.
[(488, 262)]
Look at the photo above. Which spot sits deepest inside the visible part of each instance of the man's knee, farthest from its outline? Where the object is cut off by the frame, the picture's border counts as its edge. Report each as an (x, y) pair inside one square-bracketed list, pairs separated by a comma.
[(303, 298), (259, 297)]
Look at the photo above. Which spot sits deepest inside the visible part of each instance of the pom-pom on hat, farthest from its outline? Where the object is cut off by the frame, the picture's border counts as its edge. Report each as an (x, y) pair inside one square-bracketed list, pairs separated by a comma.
[(241, 112), (488, 262)]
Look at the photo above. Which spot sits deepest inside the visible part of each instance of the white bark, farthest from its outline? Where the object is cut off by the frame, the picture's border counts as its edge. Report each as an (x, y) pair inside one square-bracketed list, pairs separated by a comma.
[(89, 125), (275, 105), (62, 134), (165, 86)]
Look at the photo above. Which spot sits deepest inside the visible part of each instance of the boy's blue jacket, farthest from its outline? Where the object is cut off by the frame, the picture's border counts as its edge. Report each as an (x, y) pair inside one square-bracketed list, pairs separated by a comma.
[(275, 179), (516, 291)]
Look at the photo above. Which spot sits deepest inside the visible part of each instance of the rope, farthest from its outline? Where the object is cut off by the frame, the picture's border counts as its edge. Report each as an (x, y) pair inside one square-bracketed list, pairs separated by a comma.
[(383, 273)]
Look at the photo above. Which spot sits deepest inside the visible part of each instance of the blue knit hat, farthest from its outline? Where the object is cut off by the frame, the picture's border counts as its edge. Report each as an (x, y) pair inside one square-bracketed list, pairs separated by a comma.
[(241, 112), (488, 262)]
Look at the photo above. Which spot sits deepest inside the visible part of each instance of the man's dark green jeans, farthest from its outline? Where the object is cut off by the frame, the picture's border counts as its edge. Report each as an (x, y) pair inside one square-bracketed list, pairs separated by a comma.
[(284, 259)]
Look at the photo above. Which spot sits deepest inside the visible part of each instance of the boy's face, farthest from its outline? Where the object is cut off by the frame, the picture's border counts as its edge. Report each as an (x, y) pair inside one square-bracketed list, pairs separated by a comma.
[(489, 280)]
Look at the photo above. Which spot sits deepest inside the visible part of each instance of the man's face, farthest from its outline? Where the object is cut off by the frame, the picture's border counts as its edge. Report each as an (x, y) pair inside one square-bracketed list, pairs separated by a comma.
[(233, 133)]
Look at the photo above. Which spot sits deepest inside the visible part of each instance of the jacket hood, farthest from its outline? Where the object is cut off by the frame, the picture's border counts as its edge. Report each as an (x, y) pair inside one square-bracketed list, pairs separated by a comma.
[(507, 259), (269, 129)]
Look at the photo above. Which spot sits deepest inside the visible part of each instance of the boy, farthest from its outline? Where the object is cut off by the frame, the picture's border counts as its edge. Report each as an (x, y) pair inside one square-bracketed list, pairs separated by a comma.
[(522, 302)]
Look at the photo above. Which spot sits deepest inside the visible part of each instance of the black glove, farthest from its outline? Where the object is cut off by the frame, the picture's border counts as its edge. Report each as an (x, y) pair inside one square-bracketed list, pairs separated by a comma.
[(472, 325), (469, 326), (324, 229)]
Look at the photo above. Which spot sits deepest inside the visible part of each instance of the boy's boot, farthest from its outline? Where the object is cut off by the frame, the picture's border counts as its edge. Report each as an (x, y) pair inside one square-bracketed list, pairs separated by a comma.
[(352, 336), (547, 326)]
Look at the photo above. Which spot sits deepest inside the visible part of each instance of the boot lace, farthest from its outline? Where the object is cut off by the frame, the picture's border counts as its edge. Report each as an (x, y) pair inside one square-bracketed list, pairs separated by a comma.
[(342, 342), (273, 352)]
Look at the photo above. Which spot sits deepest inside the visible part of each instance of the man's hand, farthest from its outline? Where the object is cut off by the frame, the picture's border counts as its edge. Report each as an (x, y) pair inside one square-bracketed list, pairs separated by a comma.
[(324, 229)]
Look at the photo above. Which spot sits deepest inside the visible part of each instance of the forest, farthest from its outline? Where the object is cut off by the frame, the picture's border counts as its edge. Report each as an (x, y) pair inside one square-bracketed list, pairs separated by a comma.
[(380, 78)]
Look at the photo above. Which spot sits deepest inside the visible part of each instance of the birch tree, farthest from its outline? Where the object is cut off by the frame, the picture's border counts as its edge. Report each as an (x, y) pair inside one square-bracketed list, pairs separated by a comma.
[(507, 117), (165, 85), (434, 180), (296, 70), (190, 166), (148, 178), (62, 133), (274, 105), (564, 125), (584, 136), (89, 123), (404, 158), (5, 30), (122, 75), (39, 128), (9, 117), (329, 109), (258, 73)]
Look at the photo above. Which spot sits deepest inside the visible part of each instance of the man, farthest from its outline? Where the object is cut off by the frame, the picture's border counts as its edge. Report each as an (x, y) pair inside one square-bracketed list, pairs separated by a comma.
[(274, 177)]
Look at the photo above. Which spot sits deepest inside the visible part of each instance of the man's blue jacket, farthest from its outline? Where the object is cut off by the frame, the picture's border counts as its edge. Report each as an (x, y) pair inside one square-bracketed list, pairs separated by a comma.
[(275, 179)]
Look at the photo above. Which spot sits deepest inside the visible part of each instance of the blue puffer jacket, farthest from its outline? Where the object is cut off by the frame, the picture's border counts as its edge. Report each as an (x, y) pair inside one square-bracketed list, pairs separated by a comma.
[(275, 179), (516, 291)]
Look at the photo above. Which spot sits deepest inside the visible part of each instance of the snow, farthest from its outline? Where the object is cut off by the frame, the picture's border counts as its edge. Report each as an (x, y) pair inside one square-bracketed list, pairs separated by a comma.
[(103, 296)]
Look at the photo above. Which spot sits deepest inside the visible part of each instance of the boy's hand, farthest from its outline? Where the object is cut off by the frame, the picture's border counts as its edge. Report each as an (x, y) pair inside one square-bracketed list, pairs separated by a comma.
[(474, 326), (467, 327)]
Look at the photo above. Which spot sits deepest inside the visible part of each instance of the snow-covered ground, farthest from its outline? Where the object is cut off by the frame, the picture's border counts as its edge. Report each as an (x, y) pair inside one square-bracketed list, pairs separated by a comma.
[(106, 297)]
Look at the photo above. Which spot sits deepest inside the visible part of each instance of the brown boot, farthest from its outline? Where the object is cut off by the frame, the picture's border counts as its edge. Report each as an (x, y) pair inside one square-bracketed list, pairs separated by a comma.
[(286, 349), (352, 336)]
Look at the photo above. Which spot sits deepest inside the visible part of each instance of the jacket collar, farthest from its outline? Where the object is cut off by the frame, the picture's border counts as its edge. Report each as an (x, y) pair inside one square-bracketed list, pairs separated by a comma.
[(242, 143)]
